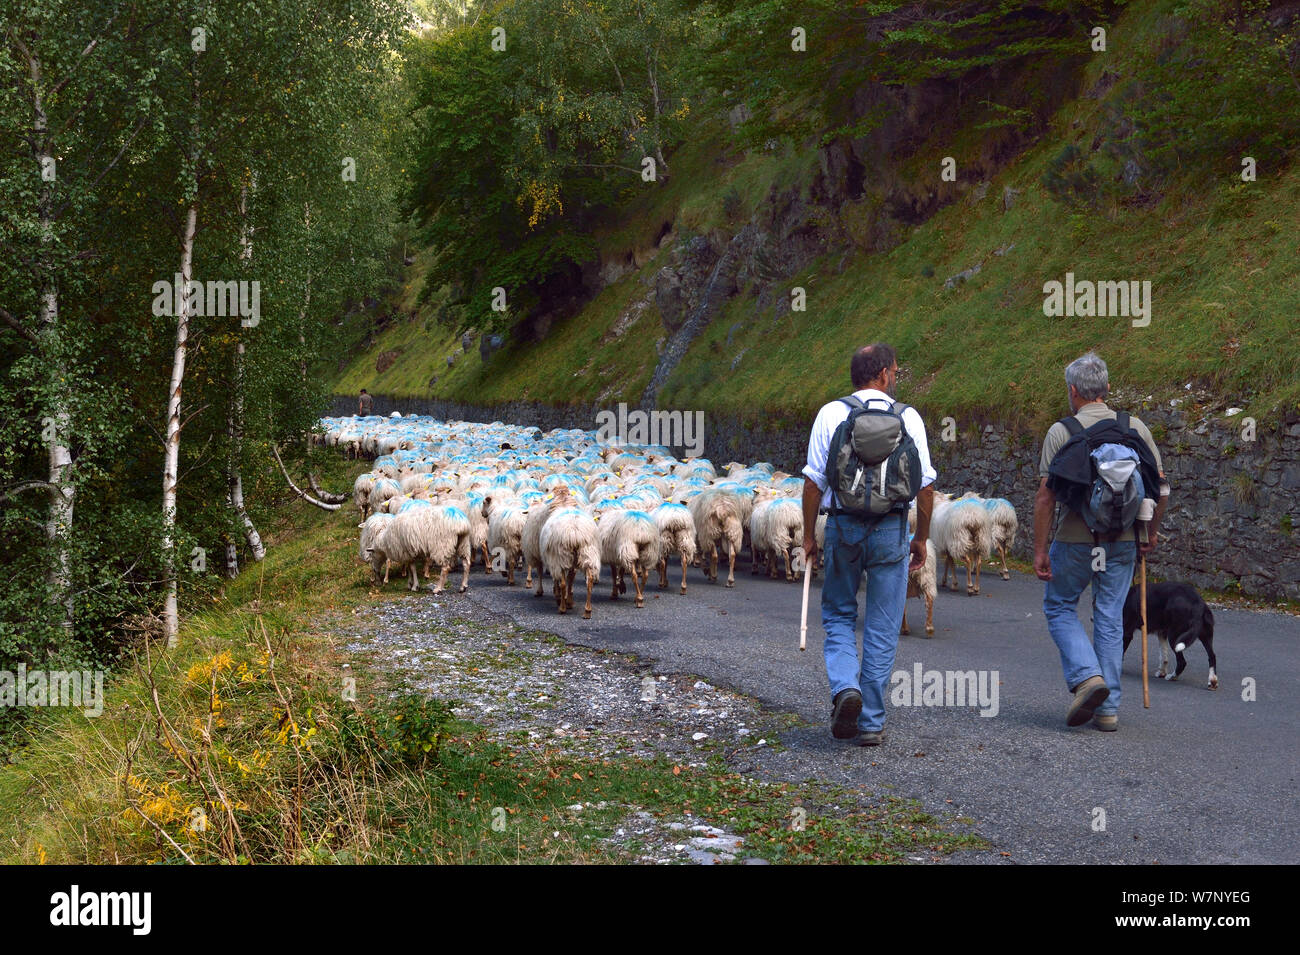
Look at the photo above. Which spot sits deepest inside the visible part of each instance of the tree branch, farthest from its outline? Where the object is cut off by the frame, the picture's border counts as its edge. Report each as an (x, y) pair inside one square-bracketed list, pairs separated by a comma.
[(19, 327), (296, 489), (24, 486), (326, 496)]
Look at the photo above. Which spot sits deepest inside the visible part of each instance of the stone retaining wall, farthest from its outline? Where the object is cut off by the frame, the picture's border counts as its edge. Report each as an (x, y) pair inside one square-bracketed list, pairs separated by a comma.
[(1229, 525)]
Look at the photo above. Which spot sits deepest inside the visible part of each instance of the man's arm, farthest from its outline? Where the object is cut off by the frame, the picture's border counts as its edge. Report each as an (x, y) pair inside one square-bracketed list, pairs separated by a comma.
[(924, 507), (1153, 529), (1044, 509)]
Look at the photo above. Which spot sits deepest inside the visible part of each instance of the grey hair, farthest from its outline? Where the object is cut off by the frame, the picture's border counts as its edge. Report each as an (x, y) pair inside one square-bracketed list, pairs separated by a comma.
[(1088, 375)]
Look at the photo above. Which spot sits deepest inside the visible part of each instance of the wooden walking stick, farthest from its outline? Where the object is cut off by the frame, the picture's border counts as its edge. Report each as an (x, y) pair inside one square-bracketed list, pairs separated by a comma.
[(803, 626), (1142, 590)]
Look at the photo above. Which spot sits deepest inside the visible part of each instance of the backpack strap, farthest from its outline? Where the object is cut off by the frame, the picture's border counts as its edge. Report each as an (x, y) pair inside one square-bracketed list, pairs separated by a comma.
[(1121, 418), (853, 401), (1072, 425)]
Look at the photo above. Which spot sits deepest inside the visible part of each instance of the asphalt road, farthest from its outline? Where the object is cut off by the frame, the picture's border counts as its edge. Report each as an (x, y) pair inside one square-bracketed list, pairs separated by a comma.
[(1200, 777)]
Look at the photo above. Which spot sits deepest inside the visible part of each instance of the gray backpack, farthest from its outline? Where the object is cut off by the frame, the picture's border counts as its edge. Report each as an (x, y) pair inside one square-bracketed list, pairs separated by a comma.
[(874, 467)]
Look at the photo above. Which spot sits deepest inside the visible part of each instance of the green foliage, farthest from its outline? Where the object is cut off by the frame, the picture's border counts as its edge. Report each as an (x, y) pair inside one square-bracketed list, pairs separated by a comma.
[(408, 727), (1225, 84), (1072, 180)]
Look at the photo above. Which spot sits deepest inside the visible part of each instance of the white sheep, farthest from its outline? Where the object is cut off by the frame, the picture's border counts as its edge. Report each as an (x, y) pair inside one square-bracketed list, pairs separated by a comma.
[(717, 516), (361, 489), (629, 543), (530, 540), (775, 528), (447, 540), (676, 536), (371, 529), (400, 544), (921, 582), (506, 518), (962, 533), (1002, 513), (570, 543)]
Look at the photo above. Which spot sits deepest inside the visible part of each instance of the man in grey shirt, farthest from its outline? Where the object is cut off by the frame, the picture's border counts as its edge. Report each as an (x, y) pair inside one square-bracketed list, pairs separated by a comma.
[(1072, 563)]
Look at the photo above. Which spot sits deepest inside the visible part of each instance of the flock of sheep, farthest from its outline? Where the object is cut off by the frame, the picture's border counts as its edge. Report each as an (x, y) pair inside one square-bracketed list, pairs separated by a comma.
[(447, 495)]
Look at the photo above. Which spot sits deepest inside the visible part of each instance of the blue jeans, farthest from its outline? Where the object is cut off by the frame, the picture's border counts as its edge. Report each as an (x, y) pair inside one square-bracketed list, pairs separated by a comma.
[(882, 552), (1072, 571)]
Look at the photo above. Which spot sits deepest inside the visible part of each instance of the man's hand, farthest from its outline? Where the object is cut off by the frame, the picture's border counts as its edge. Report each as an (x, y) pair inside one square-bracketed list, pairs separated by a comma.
[(810, 550), (1150, 544), (1043, 565), (918, 555)]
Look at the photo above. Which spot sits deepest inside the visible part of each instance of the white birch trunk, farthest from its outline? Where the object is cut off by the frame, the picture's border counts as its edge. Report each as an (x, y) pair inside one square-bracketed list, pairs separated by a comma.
[(235, 426), (171, 460), (62, 492)]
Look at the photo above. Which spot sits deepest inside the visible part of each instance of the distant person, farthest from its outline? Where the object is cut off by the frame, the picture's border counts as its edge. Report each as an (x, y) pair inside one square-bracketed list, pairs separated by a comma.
[(876, 544), (364, 404), (1079, 556)]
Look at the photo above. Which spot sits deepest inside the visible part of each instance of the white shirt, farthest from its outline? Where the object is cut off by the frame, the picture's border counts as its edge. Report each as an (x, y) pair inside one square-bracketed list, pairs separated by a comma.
[(833, 414)]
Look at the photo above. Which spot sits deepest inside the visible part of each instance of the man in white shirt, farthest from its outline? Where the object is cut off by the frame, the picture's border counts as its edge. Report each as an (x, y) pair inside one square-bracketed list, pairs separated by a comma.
[(855, 545)]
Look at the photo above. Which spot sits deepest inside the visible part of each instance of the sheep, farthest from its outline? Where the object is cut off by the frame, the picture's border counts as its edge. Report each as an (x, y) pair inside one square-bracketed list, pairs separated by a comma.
[(716, 513), (961, 532), (361, 489), (775, 527), (629, 543), (470, 503), (1002, 514), (506, 518), (676, 536), (446, 537), (570, 542), (371, 528), (401, 544), (383, 489), (530, 540)]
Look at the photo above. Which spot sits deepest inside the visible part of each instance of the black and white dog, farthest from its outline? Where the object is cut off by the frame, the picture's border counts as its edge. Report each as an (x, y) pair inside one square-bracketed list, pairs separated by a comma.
[(1178, 614)]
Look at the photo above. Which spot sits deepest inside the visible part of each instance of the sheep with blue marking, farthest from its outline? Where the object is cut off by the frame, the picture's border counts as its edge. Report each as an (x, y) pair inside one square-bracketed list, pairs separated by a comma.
[(962, 532), (570, 542), (629, 544), (676, 536)]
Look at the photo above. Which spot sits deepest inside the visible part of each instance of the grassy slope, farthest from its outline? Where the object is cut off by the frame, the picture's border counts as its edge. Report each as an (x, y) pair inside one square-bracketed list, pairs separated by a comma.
[(1219, 256)]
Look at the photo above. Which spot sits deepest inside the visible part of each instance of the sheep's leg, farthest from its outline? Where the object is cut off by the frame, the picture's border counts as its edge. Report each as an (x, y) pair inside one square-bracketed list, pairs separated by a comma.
[(510, 572), (662, 567), (712, 567), (387, 566), (539, 580), (902, 630), (622, 582), (978, 562), (731, 565), (614, 573), (557, 591), (929, 614), (464, 580), (1006, 574), (528, 580), (789, 571), (636, 583), (415, 576), (487, 559), (683, 573), (586, 611), (568, 588), (756, 560)]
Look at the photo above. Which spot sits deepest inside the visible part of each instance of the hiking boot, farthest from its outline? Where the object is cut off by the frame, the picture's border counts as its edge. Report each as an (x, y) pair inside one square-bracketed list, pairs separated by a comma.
[(846, 707), (1106, 722), (871, 737), (1088, 695)]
